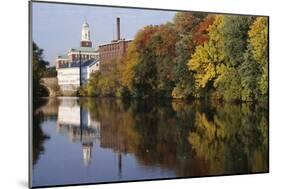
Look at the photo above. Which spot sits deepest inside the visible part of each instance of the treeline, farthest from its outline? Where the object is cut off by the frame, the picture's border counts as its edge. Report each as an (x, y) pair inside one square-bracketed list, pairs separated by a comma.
[(197, 55), (39, 68)]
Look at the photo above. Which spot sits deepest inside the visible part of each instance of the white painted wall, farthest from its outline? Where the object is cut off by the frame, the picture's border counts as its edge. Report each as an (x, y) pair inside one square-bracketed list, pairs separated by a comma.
[(69, 78)]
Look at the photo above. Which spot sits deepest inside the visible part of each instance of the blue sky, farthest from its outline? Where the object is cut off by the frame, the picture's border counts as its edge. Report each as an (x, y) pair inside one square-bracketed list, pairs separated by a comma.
[(57, 27)]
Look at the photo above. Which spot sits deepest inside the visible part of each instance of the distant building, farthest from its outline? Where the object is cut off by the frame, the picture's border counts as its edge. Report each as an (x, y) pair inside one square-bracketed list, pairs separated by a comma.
[(68, 66), (86, 53), (68, 75), (61, 60), (112, 51)]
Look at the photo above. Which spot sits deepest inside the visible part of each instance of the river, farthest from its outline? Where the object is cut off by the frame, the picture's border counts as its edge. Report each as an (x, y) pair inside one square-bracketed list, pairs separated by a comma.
[(95, 140)]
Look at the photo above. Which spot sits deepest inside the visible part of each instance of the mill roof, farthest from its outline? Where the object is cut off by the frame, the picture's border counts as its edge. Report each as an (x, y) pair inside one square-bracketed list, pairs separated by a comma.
[(75, 64), (83, 49)]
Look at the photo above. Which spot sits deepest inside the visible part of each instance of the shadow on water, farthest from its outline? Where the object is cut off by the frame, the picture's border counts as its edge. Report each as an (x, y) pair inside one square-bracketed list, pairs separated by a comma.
[(189, 138)]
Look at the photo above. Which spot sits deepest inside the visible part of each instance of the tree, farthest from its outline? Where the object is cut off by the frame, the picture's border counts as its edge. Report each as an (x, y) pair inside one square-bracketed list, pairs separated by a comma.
[(209, 56), (38, 70), (200, 31), (249, 72), (235, 33), (193, 33), (145, 70), (163, 44), (184, 22), (128, 66), (184, 80), (148, 66), (258, 38), (105, 85), (92, 86), (228, 83)]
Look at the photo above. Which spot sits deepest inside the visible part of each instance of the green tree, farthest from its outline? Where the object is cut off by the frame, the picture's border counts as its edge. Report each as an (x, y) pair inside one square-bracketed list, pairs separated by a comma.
[(235, 33), (92, 86), (145, 70), (163, 44), (249, 72), (228, 83), (39, 66), (184, 81), (209, 57), (258, 38)]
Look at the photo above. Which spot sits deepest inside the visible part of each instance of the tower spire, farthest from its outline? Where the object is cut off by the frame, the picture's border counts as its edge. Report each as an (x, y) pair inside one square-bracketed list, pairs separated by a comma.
[(85, 35)]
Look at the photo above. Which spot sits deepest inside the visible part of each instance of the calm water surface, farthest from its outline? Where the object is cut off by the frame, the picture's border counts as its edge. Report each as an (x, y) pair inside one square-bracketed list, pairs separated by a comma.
[(102, 140)]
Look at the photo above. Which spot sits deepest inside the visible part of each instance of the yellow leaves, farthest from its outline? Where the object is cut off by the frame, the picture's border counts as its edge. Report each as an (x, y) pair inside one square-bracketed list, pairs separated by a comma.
[(127, 68), (201, 64), (215, 29), (208, 56), (258, 37)]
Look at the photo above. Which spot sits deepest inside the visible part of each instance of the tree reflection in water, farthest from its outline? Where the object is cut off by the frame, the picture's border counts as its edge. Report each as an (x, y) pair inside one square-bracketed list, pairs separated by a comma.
[(38, 136), (189, 138), (233, 140), (192, 138)]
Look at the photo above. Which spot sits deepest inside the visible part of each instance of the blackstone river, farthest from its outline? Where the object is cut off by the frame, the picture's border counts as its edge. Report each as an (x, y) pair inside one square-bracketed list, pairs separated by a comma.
[(93, 140)]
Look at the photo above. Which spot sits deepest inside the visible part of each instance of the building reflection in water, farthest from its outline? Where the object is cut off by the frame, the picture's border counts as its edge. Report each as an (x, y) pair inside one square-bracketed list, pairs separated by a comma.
[(185, 139), (75, 121)]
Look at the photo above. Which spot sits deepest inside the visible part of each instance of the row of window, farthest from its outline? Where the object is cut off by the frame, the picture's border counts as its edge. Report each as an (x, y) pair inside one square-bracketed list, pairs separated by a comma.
[(109, 55), (85, 56), (110, 48)]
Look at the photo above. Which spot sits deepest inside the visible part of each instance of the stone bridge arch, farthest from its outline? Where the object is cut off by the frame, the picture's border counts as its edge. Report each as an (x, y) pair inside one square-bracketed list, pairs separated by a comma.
[(51, 84)]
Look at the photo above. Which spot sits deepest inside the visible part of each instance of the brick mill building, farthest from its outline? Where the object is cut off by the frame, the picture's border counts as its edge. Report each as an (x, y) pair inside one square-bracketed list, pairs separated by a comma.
[(75, 67), (112, 51)]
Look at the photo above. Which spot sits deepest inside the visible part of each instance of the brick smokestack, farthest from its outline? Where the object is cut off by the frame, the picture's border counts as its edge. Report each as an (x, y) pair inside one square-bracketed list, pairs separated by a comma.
[(118, 27)]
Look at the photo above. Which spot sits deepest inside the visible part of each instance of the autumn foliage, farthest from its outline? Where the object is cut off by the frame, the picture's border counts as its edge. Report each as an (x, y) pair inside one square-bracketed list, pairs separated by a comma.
[(197, 55)]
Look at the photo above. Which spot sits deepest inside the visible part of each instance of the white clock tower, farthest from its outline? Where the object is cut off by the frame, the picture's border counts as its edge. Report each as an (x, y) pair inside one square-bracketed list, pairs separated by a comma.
[(85, 35)]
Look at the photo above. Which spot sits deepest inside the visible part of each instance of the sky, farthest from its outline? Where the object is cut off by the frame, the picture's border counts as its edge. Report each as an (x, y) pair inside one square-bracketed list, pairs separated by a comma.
[(57, 27)]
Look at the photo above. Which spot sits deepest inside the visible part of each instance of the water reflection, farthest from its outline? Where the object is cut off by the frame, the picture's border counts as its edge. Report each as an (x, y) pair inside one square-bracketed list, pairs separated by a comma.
[(74, 120), (153, 139)]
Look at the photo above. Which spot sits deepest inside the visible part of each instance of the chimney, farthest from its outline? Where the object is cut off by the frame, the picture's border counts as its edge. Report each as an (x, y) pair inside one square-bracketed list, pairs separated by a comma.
[(118, 27)]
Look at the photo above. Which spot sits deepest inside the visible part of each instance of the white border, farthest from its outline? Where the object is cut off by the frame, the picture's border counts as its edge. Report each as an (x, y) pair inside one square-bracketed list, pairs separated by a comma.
[(14, 92)]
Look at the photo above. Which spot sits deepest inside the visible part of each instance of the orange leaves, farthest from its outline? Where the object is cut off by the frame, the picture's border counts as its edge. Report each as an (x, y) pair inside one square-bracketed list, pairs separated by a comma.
[(200, 32)]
